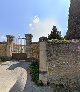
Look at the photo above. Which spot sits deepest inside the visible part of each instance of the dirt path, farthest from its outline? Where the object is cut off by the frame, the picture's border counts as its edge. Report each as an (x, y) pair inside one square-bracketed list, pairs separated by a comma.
[(15, 77)]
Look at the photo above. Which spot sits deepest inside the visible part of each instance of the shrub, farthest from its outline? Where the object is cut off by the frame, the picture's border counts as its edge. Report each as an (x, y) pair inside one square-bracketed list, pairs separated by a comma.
[(4, 58), (40, 83), (59, 41), (35, 73)]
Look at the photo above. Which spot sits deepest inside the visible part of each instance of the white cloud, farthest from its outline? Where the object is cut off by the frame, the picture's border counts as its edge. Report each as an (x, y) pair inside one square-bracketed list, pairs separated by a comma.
[(30, 25), (43, 27), (3, 38), (36, 19)]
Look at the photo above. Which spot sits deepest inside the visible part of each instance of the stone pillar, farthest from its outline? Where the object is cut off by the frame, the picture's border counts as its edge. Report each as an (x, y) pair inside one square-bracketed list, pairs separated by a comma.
[(28, 45), (43, 60), (9, 45)]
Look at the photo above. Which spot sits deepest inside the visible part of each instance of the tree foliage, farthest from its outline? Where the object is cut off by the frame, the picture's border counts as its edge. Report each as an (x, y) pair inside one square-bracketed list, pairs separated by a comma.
[(55, 34)]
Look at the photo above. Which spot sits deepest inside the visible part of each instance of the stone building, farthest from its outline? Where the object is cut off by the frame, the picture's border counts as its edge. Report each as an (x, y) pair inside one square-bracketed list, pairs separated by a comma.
[(59, 63), (31, 49)]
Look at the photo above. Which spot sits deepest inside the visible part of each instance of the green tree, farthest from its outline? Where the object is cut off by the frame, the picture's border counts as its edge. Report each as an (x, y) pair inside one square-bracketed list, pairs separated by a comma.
[(55, 34)]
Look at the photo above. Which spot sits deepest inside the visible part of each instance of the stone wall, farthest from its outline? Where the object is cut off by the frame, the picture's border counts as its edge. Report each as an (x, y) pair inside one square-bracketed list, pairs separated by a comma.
[(63, 62), (3, 49), (9, 47), (35, 50)]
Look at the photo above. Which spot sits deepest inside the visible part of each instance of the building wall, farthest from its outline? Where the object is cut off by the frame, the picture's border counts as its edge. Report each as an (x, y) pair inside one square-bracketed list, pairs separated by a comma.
[(63, 62), (3, 49), (6, 49), (35, 50)]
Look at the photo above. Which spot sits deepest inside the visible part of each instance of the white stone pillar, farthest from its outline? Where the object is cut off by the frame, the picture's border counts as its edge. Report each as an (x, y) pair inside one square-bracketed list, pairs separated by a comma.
[(43, 61)]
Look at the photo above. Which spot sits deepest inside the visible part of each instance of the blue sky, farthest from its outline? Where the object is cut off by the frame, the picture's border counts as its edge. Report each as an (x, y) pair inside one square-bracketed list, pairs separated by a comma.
[(18, 17)]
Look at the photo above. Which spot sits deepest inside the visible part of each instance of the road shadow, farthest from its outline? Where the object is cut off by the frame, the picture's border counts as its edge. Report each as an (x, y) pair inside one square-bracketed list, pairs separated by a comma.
[(21, 64)]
